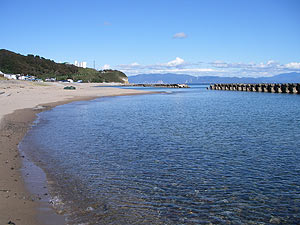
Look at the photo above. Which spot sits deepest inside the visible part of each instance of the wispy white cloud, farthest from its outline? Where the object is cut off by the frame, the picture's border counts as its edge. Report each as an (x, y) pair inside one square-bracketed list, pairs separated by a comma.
[(269, 68), (178, 65), (216, 68), (293, 65), (180, 35), (106, 67), (134, 64), (186, 70), (176, 62), (269, 65)]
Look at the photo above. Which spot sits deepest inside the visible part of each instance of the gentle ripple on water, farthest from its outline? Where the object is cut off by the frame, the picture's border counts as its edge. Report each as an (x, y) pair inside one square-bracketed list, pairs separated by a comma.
[(191, 157)]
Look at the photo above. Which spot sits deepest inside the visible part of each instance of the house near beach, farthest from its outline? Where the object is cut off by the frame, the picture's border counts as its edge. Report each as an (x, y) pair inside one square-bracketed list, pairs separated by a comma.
[(52, 79), (26, 77), (22, 77), (11, 76), (18, 76)]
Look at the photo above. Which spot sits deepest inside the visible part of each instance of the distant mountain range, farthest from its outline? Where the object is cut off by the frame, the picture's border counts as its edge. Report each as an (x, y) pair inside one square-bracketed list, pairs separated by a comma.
[(183, 78)]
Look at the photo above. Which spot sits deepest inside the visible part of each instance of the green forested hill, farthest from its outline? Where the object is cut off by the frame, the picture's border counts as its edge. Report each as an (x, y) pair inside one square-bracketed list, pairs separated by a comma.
[(13, 63)]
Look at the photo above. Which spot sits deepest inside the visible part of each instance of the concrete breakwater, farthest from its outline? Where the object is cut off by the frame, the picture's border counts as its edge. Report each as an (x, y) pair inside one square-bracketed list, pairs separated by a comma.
[(291, 88), (161, 85)]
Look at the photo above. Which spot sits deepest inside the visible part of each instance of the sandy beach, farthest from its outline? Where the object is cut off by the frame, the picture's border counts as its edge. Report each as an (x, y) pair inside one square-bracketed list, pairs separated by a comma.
[(19, 103)]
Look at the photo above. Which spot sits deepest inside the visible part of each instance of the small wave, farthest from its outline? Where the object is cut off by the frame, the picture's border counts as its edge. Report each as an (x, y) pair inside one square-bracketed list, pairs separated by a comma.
[(57, 204)]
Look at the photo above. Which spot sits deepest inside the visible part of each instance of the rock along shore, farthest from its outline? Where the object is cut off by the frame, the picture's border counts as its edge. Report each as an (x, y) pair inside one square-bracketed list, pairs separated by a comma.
[(290, 88)]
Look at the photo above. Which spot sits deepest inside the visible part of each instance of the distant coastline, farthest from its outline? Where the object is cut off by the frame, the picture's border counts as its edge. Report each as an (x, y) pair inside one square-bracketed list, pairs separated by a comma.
[(172, 78)]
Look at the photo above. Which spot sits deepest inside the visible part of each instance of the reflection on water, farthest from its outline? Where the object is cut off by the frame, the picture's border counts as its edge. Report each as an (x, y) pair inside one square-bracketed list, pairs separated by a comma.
[(191, 157)]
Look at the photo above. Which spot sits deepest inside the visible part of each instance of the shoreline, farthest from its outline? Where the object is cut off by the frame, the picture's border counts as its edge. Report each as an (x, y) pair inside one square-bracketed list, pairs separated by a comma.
[(21, 204), (17, 204)]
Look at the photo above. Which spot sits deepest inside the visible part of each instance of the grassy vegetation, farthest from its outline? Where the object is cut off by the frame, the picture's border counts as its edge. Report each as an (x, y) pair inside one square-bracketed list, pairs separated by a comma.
[(13, 63)]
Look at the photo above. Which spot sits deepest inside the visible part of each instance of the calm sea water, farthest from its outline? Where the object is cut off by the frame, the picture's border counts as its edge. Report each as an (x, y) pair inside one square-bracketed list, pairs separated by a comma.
[(191, 156)]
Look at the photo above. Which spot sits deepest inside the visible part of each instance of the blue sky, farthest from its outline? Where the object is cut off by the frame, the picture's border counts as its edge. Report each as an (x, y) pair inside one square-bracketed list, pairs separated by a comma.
[(198, 37)]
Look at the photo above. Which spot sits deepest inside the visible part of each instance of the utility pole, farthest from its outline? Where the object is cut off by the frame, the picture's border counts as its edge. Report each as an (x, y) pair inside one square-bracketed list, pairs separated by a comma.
[(94, 65)]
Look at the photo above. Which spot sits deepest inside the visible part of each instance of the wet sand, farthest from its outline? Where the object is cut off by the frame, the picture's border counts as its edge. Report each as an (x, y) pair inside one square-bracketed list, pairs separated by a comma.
[(19, 103)]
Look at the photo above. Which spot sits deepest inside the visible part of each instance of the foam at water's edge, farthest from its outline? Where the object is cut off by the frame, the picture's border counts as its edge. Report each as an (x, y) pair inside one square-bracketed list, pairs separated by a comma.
[(36, 182)]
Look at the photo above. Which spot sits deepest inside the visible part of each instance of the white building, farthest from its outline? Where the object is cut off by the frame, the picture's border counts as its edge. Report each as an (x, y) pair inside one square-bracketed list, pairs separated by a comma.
[(22, 77), (80, 64), (83, 64), (11, 76)]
